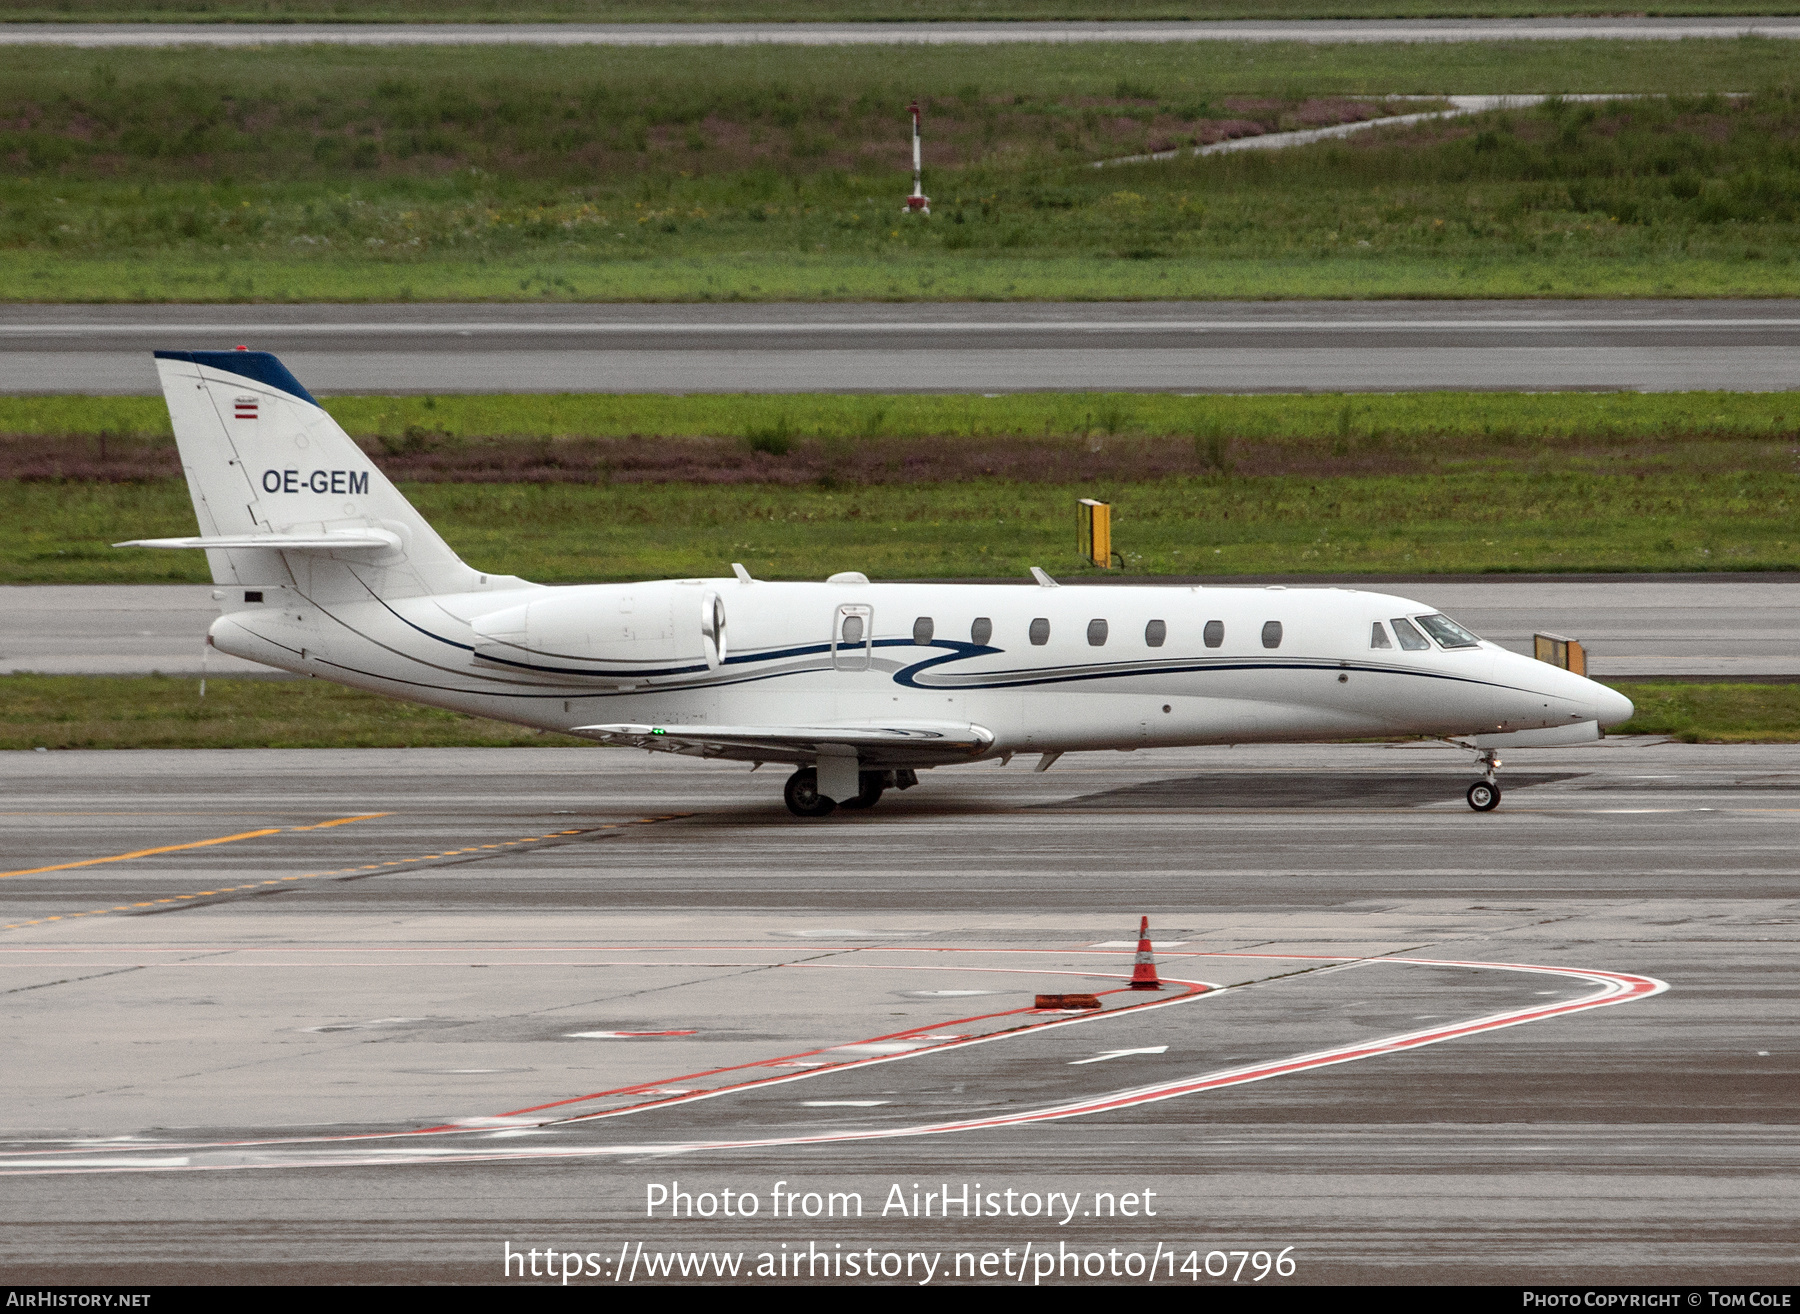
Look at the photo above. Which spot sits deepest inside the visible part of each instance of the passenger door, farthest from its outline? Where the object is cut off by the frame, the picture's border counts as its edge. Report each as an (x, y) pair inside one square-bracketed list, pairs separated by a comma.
[(852, 636)]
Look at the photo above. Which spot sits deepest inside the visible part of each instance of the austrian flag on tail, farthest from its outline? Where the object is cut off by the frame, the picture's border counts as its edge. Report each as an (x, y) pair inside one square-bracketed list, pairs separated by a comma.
[(246, 408)]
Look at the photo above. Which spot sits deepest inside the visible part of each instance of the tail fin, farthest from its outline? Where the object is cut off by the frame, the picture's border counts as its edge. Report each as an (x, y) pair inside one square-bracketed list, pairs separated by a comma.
[(262, 458)]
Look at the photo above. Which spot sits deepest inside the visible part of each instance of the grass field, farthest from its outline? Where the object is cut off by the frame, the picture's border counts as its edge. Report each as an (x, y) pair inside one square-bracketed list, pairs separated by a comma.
[(814, 11), (514, 174), (396, 427), (566, 489), (83, 711), (1715, 713), (1471, 520), (155, 711)]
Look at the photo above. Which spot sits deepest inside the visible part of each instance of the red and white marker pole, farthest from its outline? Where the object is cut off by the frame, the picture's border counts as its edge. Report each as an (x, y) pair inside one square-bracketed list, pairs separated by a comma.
[(1143, 970), (918, 202)]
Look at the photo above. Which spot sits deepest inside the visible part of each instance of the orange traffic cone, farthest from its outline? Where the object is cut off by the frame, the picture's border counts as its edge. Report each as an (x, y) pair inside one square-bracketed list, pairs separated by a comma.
[(1143, 971)]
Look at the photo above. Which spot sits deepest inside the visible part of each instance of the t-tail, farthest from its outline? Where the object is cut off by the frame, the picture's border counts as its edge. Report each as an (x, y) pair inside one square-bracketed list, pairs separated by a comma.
[(284, 498)]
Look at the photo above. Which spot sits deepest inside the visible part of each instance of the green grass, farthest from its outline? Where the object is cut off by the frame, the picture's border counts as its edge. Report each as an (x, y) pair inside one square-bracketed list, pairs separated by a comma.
[(1480, 520), (93, 711), (154, 711), (899, 486), (1715, 713), (815, 11), (1444, 417), (511, 174)]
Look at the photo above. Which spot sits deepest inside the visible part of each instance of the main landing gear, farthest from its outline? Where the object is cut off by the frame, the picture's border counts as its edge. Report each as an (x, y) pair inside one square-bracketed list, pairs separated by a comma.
[(1484, 794), (804, 799)]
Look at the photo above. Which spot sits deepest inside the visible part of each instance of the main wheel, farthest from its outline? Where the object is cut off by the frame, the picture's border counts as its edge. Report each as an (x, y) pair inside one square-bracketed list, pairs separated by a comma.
[(1484, 796), (871, 786), (803, 796)]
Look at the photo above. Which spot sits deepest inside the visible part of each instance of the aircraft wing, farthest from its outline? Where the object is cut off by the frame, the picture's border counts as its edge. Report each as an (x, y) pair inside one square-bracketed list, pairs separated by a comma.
[(898, 743)]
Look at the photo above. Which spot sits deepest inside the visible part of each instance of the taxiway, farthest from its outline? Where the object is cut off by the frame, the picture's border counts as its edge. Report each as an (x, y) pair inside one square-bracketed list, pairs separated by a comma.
[(376, 1015), (1194, 347)]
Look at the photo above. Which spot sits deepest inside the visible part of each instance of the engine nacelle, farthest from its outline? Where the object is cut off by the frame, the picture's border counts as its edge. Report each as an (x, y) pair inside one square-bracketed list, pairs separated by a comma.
[(627, 629)]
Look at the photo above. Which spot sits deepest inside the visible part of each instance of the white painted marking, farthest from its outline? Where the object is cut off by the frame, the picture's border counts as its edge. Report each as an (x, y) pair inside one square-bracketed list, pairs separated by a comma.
[(1121, 1053), (623, 1035), (363, 1026), (947, 994), (881, 1047), (1132, 944), (842, 1104)]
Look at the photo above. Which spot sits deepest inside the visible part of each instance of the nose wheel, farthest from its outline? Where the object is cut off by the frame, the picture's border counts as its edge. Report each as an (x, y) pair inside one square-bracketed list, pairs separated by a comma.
[(1484, 794)]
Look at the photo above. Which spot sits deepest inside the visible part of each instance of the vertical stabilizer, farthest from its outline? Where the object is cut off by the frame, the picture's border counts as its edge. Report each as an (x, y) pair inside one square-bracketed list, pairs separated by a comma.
[(262, 457)]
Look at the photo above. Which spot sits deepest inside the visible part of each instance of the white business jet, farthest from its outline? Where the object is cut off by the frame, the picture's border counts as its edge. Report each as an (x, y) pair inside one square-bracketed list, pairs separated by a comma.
[(326, 570)]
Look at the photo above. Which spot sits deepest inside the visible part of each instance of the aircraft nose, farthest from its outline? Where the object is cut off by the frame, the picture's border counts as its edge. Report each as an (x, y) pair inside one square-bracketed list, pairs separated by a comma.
[(1611, 707)]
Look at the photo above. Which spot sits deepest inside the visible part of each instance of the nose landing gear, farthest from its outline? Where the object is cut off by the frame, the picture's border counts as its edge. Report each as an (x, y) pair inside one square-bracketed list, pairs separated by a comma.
[(1484, 794)]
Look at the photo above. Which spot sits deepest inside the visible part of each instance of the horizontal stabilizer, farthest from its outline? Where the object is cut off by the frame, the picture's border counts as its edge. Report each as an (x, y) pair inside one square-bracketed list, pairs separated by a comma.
[(329, 542), (944, 740)]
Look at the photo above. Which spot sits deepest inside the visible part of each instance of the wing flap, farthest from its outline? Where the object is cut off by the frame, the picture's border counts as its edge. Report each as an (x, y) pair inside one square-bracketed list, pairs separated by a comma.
[(943, 739)]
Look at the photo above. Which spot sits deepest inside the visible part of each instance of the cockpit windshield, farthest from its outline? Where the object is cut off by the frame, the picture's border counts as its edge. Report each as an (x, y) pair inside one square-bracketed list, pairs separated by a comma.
[(1447, 632)]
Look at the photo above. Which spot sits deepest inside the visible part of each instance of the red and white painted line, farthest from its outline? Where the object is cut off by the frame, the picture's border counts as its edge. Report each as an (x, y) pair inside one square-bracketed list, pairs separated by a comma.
[(403, 1148)]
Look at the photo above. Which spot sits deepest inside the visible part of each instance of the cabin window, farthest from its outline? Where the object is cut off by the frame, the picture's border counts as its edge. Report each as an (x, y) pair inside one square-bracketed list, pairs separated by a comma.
[(1271, 634), (981, 631), (1447, 632), (1214, 633), (1410, 639), (1154, 634), (1096, 634), (1040, 631), (1378, 636), (922, 630), (853, 630)]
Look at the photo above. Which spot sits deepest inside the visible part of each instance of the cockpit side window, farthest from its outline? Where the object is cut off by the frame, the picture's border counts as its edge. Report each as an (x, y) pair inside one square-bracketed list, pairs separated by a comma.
[(1410, 639), (1447, 632), (1378, 636)]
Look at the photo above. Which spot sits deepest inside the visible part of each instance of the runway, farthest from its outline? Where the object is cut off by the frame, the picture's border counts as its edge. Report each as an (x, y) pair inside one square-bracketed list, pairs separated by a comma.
[(379, 1015), (1319, 31), (1192, 347), (1713, 626)]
